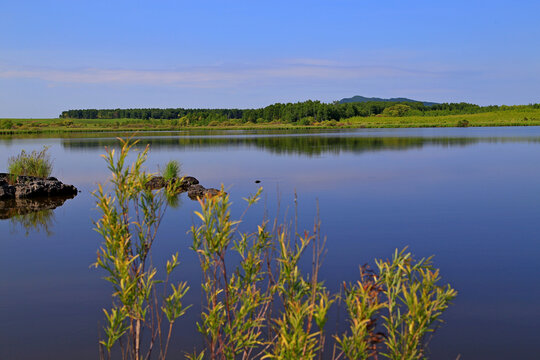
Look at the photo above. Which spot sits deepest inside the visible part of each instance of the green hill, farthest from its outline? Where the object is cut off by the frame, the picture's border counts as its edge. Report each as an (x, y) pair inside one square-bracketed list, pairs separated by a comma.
[(358, 98)]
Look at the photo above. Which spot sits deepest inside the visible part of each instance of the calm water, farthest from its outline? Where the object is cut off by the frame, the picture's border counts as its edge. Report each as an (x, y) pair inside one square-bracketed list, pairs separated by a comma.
[(469, 196)]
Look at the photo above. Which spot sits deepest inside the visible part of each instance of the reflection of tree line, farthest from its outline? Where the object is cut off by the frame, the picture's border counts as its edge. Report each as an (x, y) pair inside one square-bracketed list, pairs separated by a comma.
[(306, 145), (31, 214)]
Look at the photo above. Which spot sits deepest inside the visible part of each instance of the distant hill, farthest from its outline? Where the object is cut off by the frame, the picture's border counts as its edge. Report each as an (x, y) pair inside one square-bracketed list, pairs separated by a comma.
[(358, 98)]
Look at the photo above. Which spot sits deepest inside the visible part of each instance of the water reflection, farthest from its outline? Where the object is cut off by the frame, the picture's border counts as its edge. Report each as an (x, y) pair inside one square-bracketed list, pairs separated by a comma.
[(300, 144), (469, 196), (174, 200), (31, 214)]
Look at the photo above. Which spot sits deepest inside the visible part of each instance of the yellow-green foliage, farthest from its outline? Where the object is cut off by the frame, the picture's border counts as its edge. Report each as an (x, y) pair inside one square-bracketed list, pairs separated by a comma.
[(396, 110), (129, 223), (267, 308), (257, 301), (36, 163)]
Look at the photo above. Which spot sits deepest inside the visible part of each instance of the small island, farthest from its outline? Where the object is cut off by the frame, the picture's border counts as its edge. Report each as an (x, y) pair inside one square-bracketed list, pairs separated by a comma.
[(186, 183), (15, 187)]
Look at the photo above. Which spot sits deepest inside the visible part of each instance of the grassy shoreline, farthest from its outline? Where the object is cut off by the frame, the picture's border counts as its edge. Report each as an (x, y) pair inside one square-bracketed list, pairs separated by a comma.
[(528, 117)]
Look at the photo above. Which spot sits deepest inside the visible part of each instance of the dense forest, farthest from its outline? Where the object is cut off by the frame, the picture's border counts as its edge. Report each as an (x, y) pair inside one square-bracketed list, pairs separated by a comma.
[(307, 112)]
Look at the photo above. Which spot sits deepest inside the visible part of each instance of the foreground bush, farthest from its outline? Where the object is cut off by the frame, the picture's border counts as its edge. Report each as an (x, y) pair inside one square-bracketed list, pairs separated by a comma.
[(258, 303), (36, 164)]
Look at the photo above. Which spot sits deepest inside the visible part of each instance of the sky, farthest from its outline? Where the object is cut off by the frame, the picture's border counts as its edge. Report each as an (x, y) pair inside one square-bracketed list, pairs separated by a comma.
[(57, 55)]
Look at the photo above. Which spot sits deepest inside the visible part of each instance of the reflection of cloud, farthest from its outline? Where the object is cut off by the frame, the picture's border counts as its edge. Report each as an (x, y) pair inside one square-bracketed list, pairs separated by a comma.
[(218, 75)]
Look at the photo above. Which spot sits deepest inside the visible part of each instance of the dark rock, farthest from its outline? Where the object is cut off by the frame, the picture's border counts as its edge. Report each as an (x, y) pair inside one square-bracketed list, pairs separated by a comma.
[(211, 192), (187, 181), (6, 191), (156, 182), (29, 186), (196, 191)]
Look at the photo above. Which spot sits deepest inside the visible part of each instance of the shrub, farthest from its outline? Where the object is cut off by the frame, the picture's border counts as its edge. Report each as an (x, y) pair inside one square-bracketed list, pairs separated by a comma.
[(6, 124), (267, 305), (396, 110), (307, 121), (126, 257), (36, 164), (329, 123), (463, 123), (257, 302)]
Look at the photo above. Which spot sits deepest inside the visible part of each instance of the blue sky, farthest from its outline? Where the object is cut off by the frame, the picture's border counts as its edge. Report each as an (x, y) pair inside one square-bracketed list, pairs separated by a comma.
[(59, 55)]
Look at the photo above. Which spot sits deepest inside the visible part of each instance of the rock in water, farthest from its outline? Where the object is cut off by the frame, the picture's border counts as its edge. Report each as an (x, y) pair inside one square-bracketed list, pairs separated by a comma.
[(187, 183), (198, 191), (158, 182), (30, 186)]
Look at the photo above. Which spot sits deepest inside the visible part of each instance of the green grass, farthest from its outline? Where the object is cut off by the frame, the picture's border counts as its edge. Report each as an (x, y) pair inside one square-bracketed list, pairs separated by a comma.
[(513, 117), (528, 117), (171, 171), (36, 164)]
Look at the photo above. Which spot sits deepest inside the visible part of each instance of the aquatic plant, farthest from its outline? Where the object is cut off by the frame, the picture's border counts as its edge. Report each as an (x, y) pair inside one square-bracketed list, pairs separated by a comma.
[(38, 164), (171, 170)]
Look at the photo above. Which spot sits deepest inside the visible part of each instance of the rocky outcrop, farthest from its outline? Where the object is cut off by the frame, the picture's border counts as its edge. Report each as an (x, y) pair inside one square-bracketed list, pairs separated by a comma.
[(187, 183), (30, 187)]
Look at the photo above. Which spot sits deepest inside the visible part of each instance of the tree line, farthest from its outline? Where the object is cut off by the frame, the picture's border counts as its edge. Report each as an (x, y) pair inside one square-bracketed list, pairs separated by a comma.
[(303, 112)]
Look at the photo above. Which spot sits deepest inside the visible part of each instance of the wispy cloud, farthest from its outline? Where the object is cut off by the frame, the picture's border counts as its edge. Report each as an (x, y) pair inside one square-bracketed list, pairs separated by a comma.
[(218, 76)]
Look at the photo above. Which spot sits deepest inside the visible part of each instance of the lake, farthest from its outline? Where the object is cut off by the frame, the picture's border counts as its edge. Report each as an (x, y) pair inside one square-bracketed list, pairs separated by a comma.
[(469, 196)]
